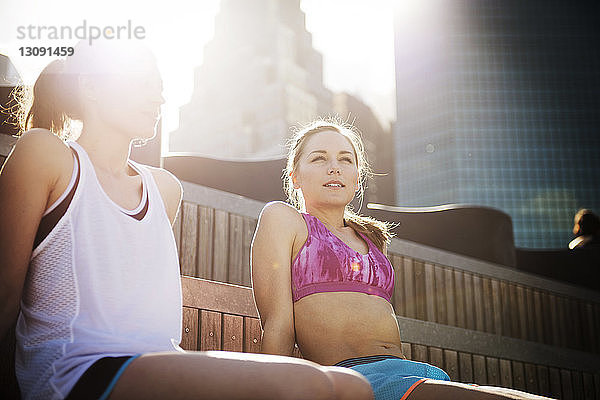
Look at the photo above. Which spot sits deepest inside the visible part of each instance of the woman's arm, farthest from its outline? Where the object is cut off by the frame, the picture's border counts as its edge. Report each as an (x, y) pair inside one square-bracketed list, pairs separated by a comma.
[(26, 180), (271, 276)]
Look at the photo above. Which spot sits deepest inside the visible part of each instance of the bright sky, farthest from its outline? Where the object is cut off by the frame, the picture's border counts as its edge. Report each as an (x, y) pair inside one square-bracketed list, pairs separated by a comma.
[(355, 37)]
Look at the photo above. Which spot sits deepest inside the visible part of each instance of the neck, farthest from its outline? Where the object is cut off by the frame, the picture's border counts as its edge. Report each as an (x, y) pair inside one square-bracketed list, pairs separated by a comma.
[(107, 148), (332, 217)]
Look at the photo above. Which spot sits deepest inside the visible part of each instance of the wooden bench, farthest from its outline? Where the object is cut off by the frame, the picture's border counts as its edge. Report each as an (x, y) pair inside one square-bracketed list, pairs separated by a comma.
[(221, 316)]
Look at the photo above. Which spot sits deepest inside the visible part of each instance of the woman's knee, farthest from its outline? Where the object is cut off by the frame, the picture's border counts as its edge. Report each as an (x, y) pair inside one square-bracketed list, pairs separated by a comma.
[(349, 384)]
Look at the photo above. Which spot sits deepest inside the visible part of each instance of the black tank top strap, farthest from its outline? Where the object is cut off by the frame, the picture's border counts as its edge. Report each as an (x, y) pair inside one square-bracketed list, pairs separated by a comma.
[(49, 221)]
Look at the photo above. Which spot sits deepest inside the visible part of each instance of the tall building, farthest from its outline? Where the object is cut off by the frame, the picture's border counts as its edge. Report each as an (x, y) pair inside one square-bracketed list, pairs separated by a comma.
[(379, 145), (260, 76), (498, 106)]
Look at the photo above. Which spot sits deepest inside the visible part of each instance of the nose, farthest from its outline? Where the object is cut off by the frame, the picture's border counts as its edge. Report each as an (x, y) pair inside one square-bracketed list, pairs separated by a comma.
[(334, 169)]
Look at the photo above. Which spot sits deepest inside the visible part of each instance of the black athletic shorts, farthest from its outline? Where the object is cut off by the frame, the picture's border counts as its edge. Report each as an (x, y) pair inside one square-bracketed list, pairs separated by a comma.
[(99, 380)]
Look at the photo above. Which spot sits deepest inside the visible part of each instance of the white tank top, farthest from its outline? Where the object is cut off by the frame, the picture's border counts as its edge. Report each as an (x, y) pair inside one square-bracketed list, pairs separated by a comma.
[(100, 284)]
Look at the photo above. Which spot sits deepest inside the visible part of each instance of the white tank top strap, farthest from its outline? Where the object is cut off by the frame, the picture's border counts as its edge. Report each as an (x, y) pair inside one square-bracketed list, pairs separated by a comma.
[(69, 186)]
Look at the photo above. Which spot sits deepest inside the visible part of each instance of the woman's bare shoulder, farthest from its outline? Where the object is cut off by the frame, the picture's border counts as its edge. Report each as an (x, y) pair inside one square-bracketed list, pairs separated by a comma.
[(281, 213), (42, 152), (43, 141)]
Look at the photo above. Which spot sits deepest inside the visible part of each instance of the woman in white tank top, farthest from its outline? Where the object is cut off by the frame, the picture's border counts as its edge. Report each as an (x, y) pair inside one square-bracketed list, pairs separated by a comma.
[(89, 263)]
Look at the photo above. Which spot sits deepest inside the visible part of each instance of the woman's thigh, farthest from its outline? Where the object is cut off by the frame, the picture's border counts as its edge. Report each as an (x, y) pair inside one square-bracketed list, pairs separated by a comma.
[(433, 390), (229, 375)]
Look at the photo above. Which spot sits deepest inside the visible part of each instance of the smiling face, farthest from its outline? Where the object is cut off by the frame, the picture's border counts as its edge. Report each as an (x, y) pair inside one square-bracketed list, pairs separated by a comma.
[(326, 170)]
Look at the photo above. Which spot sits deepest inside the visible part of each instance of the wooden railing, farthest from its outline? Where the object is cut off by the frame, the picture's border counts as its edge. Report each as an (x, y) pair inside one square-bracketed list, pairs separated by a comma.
[(214, 232)]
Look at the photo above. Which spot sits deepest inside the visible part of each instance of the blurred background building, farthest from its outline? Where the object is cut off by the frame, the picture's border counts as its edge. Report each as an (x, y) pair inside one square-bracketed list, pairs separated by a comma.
[(498, 106), (260, 76)]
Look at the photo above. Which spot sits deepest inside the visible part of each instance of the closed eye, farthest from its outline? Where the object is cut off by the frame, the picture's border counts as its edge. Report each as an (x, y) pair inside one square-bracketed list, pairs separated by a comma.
[(318, 158), (348, 159)]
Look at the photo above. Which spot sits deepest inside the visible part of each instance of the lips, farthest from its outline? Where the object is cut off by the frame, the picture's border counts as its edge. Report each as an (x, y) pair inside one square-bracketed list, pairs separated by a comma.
[(334, 184)]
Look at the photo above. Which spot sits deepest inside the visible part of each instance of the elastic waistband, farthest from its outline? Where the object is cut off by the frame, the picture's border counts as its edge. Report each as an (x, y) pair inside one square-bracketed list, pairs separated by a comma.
[(352, 362)]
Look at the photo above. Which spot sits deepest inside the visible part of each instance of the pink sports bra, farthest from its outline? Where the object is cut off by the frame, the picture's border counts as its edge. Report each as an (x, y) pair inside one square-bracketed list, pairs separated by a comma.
[(326, 264)]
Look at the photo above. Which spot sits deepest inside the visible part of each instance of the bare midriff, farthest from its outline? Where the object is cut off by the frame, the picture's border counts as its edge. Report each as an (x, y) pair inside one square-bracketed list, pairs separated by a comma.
[(335, 326)]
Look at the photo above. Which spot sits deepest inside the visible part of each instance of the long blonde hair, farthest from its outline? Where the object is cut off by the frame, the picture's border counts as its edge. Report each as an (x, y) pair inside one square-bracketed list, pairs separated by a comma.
[(377, 231)]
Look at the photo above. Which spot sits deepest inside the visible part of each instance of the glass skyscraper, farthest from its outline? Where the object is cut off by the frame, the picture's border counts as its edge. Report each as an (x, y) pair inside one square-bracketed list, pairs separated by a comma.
[(498, 105)]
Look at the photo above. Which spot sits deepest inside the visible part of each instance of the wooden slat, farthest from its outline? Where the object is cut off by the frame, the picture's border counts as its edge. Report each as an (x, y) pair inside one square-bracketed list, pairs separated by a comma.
[(505, 294), (478, 303), (436, 357), (531, 379), (459, 284), (189, 333), (217, 296), (206, 222), (543, 380), (538, 317), (409, 288), (399, 298), (518, 375), (597, 385), (469, 301), (451, 364), (419, 353), (488, 307), (420, 293), (556, 336), (450, 297), (515, 326), (248, 234), (506, 375), (465, 366), (406, 350), (189, 236), (479, 370), (210, 330), (221, 246), (497, 306), (430, 299), (530, 315), (522, 307), (555, 384), (588, 386), (252, 335), (440, 295), (577, 380), (236, 225), (574, 311), (589, 332), (567, 384), (547, 309), (493, 371), (565, 326), (233, 332), (596, 323)]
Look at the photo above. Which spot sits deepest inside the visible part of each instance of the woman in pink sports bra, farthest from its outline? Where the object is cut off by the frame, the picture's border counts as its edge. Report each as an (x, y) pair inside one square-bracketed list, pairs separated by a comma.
[(321, 278)]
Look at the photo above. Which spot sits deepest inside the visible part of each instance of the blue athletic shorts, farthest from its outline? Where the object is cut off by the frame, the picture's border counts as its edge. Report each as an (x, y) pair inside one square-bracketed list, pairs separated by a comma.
[(392, 377)]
